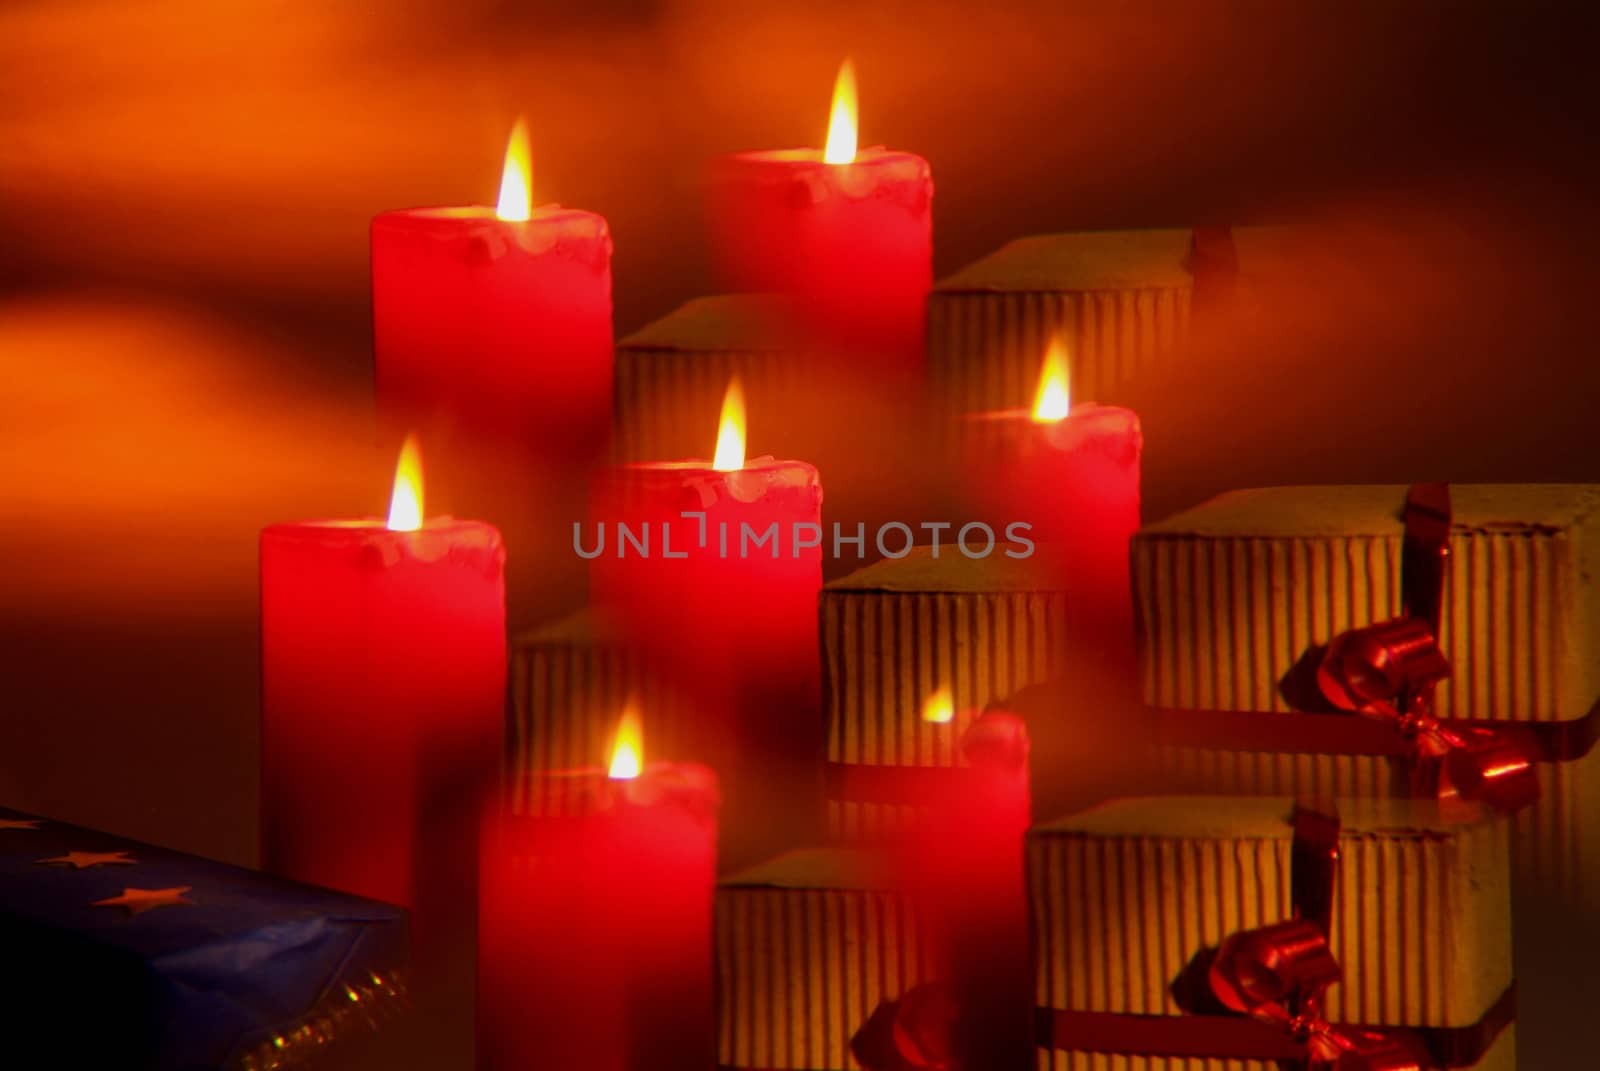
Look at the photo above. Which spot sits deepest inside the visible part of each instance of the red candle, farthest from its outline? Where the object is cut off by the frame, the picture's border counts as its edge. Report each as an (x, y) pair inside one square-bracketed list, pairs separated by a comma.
[(383, 664), (1071, 471), (963, 858), (849, 231), (713, 568), (595, 939), (495, 322)]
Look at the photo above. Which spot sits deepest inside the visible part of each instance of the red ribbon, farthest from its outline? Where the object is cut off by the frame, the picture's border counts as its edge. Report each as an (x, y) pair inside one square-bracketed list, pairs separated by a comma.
[(1389, 671), (1274, 979), (1278, 974)]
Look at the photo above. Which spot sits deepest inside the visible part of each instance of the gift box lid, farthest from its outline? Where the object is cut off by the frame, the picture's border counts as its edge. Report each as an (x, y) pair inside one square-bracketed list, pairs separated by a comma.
[(1129, 898), (585, 628), (723, 323), (122, 954), (1264, 817), (1089, 260), (844, 869), (953, 572), (1375, 509)]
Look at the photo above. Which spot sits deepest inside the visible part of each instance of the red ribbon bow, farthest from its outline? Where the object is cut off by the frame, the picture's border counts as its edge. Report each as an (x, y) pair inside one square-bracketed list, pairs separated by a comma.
[(1278, 974), (1390, 671)]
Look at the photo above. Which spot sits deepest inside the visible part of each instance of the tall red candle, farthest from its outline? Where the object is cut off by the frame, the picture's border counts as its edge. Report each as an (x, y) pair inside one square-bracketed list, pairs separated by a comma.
[(595, 937), (495, 322), (383, 664), (1071, 471), (850, 232), (713, 568)]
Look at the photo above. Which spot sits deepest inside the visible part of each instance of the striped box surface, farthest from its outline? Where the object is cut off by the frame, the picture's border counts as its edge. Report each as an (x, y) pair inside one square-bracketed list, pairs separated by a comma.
[(571, 680), (808, 946), (899, 631), (672, 374), (1125, 895), (1120, 299), (1230, 594)]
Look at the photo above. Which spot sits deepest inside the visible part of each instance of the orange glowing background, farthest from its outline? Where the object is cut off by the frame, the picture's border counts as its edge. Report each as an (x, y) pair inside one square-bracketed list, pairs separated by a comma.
[(185, 190)]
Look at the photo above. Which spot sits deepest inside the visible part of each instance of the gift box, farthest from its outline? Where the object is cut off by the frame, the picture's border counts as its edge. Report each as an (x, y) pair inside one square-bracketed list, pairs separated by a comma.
[(1239, 600), (671, 375), (571, 682), (1190, 933), (121, 954), (913, 650), (814, 950), (1120, 300)]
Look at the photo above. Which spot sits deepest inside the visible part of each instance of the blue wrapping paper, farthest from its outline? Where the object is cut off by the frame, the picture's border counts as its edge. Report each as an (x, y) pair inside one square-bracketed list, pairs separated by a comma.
[(127, 955)]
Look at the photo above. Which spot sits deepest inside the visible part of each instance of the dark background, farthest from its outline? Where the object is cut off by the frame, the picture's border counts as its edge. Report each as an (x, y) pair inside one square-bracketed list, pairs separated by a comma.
[(185, 189)]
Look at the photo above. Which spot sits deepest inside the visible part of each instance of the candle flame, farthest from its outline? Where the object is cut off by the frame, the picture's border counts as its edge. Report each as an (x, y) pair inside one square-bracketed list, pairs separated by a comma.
[(842, 120), (627, 753), (730, 432), (516, 180), (940, 707), (405, 505), (1054, 397)]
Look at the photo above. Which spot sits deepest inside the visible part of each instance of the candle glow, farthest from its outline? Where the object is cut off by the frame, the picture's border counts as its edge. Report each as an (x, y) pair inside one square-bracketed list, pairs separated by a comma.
[(841, 148), (731, 430), (1053, 399), (627, 753), (516, 179), (405, 504), (940, 707)]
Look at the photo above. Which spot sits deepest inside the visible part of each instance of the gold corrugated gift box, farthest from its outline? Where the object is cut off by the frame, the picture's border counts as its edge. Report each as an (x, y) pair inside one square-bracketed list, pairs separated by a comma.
[(671, 375), (809, 947), (571, 680), (1231, 593), (1124, 896), (900, 631), (1121, 301)]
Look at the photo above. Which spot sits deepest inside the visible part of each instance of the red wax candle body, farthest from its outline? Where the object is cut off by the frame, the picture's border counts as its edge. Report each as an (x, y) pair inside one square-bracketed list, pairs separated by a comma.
[(854, 240), (383, 688), (494, 329), (595, 936), (723, 602), (1076, 481)]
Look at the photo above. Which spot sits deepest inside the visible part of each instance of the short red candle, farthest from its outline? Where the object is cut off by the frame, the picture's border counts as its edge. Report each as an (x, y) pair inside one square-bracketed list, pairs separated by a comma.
[(383, 662), (714, 574), (853, 238), (595, 936), (495, 322)]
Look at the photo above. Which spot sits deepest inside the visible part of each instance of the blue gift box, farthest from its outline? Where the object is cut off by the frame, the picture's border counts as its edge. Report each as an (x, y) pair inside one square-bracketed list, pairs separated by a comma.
[(116, 954)]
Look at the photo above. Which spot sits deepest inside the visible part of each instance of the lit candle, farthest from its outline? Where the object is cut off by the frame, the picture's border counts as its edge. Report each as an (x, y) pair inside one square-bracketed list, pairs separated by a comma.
[(595, 935), (495, 322), (1071, 470), (713, 570), (850, 230), (383, 661)]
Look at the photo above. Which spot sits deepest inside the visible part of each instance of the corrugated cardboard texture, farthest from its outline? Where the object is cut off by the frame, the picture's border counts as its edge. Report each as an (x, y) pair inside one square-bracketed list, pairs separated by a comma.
[(896, 632), (570, 682), (807, 948), (671, 375), (1125, 895), (1232, 592), (1120, 299)]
